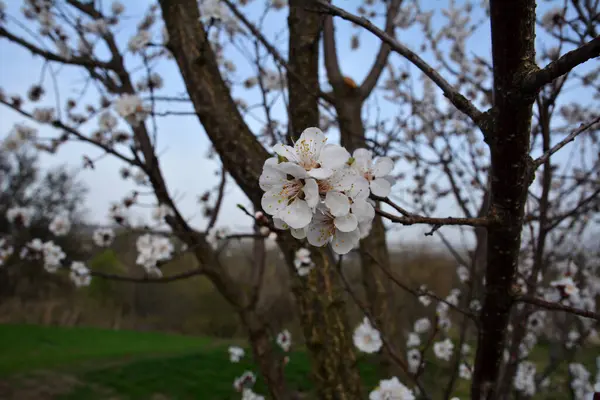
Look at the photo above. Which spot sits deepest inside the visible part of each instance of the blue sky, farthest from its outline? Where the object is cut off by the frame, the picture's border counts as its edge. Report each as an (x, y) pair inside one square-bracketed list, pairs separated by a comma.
[(182, 143)]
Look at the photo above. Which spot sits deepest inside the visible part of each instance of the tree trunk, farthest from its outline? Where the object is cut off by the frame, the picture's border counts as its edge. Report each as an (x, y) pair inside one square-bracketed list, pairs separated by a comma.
[(374, 254), (513, 53), (321, 310)]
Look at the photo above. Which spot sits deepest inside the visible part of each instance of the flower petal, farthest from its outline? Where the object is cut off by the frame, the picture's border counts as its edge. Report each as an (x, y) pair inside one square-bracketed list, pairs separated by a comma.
[(380, 187), (320, 173), (311, 192), (334, 156), (343, 242), (299, 233), (272, 201), (271, 175), (359, 189), (382, 167), (292, 169), (279, 224), (297, 215), (318, 233), (285, 151), (338, 203), (362, 159), (312, 140), (363, 210), (346, 223)]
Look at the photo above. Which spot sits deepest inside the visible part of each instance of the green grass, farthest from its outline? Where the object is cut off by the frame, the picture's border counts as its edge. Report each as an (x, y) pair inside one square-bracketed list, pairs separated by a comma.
[(94, 364), (29, 347)]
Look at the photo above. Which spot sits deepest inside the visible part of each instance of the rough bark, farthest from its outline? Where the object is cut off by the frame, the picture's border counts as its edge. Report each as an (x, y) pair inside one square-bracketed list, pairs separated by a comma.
[(513, 53)]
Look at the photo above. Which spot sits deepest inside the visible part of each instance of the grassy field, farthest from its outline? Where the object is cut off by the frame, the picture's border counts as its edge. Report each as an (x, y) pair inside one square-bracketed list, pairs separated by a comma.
[(85, 363)]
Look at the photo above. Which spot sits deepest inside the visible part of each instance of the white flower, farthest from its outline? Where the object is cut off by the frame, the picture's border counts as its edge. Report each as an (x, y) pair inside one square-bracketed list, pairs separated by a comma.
[(152, 249), (53, 255), (525, 378), (391, 389), (248, 394), (107, 122), (366, 338), (464, 371), (117, 7), (342, 232), (566, 286), (161, 211), (18, 136), (413, 357), (376, 173), (60, 225), (20, 215), (475, 305), (103, 237), (303, 262), (139, 41), (245, 381), (312, 154), (80, 274), (422, 325), (345, 192), (130, 107), (43, 114), (413, 340), (463, 273), (443, 349), (213, 9), (284, 340), (288, 196), (96, 26), (236, 354)]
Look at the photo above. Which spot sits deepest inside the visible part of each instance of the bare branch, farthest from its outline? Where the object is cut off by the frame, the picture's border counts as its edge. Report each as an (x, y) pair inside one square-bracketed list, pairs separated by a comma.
[(418, 219), (535, 80), (334, 73), (147, 279), (384, 52), (74, 60), (582, 128), (457, 99), (558, 307)]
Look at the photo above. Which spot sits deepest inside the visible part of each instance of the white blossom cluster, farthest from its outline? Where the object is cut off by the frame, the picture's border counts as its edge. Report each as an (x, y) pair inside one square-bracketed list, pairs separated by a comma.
[(18, 136), (391, 389), (525, 378), (152, 249), (580, 383), (366, 338), (236, 354), (131, 108), (443, 349), (303, 262), (321, 192)]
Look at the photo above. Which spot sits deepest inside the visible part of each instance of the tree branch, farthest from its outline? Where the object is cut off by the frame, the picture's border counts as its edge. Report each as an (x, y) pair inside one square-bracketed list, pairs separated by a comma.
[(384, 52), (582, 128), (457, 99), (535, 80), (82, 61), (332, 66), (418, 219), (558, 307)]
